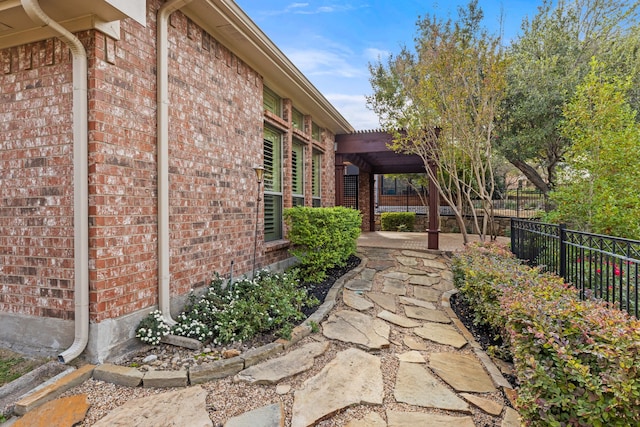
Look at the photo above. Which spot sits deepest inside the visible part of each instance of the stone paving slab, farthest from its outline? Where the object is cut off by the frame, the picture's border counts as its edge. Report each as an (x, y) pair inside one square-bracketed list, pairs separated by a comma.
[(411, 357), (394, 287), (372, 419), (423, 280), (462, 372), (53, 390), (422, 313), (386, 301), (182, 407), (405, 322), (162, 379), (416, 254), (359, 285), (414, 301), (416, 386), (427, 294), (357, 328), (430, 263), (396, 275), (489, 406), (407, 261), (62, 412), (356, 301), (267, 416), (511, 418), (414, 344), (352, 377), (116, 374), (414, 419), (441, 333), (368, 274), (292, 363)]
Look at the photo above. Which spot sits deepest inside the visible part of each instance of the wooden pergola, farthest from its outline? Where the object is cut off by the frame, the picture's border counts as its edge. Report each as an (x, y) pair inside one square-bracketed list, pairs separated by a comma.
[(368, 150)]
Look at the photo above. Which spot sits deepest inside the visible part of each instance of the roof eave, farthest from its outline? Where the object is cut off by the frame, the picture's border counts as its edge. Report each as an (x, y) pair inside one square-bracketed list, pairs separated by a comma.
[(228, 23)]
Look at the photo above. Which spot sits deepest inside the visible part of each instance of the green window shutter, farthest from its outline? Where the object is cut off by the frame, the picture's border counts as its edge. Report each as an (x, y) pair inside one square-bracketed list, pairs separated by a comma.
[(316, 165), (315, 131), (297, 119), (272, 185), (272, 161), (271, 102), (272, 217), (297, 172)]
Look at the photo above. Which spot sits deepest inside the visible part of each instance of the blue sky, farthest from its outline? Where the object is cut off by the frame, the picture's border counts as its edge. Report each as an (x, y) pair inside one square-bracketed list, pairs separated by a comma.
[(332, 42)]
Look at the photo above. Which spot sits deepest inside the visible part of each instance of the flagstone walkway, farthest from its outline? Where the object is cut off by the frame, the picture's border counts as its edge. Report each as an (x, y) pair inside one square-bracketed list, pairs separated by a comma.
[(403, 359)]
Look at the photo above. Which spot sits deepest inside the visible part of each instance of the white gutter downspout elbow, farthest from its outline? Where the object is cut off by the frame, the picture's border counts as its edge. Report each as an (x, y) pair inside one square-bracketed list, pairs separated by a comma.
[(80, 178), (164, 275)]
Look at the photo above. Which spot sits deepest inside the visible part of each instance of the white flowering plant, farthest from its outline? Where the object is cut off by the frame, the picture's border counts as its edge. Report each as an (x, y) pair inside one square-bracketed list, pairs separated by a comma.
[(235, 313), (152, 328)]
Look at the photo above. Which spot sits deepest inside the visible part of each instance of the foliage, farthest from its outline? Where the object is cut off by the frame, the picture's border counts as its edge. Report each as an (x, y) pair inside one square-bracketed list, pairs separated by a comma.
[(547, 63), (578, 362), (602, 195), (322, 238), (441, 102), (397, 221), (224, 314), (152, 328)]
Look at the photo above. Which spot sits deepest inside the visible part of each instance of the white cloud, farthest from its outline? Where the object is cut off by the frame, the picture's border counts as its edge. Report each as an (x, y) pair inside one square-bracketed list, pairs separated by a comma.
[(354, 109), (375, 54), (307, 9), (318, 62)]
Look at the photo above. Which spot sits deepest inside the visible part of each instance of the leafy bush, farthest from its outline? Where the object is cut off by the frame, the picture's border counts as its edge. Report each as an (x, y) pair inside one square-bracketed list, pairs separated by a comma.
[(578, 362), (322, 238), (269, 302), (152, 328), (397, 221)]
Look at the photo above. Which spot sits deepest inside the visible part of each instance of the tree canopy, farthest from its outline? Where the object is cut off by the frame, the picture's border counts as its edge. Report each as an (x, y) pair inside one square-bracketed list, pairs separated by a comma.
[(546, 64), (447, 88)]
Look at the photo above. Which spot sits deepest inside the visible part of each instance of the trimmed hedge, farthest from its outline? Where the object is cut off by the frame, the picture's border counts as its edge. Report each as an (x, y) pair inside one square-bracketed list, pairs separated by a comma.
[(578, 362), (322, 238), (397, 221)]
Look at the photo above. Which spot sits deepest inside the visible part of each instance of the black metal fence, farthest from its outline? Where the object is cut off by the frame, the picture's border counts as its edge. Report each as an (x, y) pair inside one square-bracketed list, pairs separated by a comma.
[(598, 266), (516, 204)]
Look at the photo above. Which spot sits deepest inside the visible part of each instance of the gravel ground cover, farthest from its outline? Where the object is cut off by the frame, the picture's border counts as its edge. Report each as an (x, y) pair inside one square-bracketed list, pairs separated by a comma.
[(227, 398)]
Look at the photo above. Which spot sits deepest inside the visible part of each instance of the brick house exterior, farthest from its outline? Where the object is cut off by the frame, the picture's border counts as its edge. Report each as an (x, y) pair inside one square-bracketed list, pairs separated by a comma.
[(219, 67)]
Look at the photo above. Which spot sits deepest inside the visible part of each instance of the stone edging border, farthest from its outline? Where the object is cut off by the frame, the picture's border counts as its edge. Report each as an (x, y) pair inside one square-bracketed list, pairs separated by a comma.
[(132, 377), (493, 371)]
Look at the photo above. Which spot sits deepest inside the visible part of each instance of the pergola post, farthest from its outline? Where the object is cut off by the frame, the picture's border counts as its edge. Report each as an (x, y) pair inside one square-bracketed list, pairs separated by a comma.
[(339, 171), (434, 210)]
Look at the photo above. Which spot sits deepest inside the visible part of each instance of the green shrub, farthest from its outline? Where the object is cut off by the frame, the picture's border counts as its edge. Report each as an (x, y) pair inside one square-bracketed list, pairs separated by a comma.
[(397, 221), (578, 362), (269, 302), (322, 238)]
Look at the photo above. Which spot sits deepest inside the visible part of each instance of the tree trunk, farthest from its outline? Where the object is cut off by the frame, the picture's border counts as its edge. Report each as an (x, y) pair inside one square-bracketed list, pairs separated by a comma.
[(532, 175)]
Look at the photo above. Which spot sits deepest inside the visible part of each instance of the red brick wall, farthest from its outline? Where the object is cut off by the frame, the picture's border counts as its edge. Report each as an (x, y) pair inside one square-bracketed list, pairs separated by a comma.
[(36, 175), (216, 139), (122, 171), (215, 127)]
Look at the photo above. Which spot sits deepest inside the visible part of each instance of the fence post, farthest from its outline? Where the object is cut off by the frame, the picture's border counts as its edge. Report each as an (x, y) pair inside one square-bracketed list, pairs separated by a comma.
[(513, 237), (563, 251)]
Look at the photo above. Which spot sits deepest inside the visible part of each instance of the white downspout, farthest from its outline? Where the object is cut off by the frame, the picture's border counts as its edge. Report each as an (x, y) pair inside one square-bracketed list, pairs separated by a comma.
[(80, 178), (164, 276)]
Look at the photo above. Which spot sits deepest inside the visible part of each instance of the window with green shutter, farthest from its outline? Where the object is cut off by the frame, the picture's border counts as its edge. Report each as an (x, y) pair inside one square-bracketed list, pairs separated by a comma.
[(297, 120), (271, 102), (315, 131), (272, 185), (316, 165), (297, 173)]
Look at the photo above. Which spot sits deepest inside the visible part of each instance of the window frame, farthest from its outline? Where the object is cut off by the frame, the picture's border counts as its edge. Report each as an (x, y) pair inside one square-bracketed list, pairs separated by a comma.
[(316, 177), (271, 101), (273, 194), (298, 149)]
